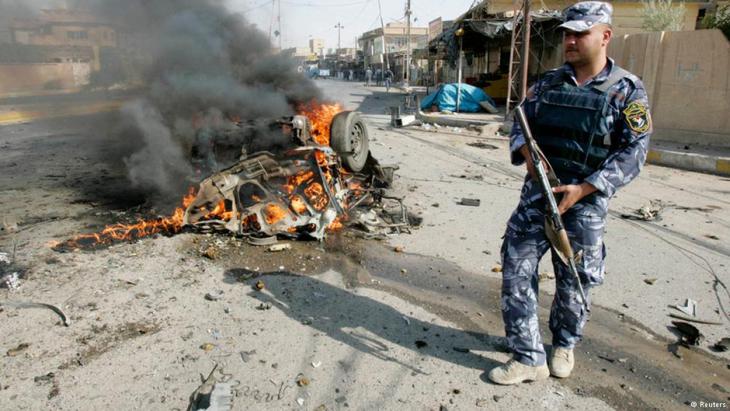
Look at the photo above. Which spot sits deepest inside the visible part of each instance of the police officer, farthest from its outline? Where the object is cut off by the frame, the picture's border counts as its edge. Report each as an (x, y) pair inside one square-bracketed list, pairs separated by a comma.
[(591, 120)]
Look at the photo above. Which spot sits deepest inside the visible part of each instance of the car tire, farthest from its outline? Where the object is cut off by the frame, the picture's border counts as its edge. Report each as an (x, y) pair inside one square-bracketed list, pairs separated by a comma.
[(349, 138)]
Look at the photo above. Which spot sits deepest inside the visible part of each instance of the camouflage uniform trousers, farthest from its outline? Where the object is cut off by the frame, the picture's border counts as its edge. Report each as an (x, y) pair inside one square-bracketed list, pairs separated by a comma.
[(524, 244)]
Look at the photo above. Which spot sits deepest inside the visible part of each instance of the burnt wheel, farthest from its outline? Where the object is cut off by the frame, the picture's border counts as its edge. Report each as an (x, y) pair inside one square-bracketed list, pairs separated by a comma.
[(349, 138)]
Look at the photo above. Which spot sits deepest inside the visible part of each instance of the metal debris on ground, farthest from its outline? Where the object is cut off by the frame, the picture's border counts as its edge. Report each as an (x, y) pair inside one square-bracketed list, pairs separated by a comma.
[(214, 295), (260, 285), (648, 212), (483, 145), (689, 334), (30, 304), (694, 320), (262, 240), (246, 355), (11, 281), (212, 395), (302, 381), (689, 307), (470, 202), (279, 247), (13, 352), (650, 281), (545, 276)]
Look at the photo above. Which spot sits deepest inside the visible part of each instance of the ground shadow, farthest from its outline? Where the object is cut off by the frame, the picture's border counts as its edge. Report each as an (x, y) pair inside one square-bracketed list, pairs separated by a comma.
[(364, 323)]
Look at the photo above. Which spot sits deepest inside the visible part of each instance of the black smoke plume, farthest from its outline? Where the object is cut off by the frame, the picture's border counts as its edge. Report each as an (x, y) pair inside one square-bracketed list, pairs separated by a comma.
[(200, 64)]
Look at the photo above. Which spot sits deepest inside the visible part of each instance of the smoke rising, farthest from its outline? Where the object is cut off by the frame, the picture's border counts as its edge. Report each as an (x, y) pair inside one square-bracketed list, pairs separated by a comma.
[(196, 58)]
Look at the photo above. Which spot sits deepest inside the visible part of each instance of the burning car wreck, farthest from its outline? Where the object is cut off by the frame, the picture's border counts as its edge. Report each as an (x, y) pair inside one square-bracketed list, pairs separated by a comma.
[(306, 189), (307, 185)]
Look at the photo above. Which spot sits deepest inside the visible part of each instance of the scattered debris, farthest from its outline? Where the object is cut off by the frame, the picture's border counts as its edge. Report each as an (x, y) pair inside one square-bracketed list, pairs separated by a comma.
[(650, 281), (421, 344), (260, 285), (246, 355), (496, 398), (722, 345), (212, 395), (398, 249), (45, 378), (10, 281), (694, 320), (262, 241), (689, 334), (720, 388), (264, 307), (279, 247), (546, 276), (470, 202), (302, 381), (403, 271), (482, 145), (207, 347), (13, 352), (482, 402), (4, 258), (408, 321), (300, 401), (211, 253), (214, 295), (689, 307), (712, 236), (649, 212), (29, 304), (497, 269)]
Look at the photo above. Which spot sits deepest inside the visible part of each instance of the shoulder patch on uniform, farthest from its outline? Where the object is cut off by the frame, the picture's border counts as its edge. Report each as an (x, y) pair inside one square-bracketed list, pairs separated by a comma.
[(637, 117)]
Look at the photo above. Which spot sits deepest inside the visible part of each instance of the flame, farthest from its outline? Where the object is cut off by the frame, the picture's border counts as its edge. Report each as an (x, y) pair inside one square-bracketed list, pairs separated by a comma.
[(298, 204), (320, 116), (316, 195), (144, 228), (273, 213)]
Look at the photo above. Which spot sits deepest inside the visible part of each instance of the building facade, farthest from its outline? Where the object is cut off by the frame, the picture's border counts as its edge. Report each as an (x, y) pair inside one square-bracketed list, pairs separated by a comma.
[(374, 43)]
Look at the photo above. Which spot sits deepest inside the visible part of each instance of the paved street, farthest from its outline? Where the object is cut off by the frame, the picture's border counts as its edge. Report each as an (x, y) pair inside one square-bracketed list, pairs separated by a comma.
[(346, 313)]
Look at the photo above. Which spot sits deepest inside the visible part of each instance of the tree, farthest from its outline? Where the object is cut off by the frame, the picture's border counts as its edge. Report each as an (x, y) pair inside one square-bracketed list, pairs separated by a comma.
[(663, 15), (720, 19)]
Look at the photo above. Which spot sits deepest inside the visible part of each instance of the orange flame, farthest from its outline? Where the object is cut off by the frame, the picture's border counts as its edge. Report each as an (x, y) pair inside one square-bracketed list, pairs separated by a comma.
[(316, 195), (273, 213), (143, 228), (320, 116)]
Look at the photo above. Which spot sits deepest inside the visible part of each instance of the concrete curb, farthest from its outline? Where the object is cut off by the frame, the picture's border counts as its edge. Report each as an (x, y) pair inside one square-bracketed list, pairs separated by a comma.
[(689, 161)]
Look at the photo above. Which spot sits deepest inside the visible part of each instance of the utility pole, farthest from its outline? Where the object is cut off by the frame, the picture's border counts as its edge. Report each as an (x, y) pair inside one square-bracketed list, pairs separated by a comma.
[(382, 27), (278, 19), (339, 28), (406, 71), (525, 48)]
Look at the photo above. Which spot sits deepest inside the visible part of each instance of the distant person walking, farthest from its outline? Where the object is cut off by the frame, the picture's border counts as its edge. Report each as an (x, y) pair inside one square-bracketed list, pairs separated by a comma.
[(388, 76), (369, 76)]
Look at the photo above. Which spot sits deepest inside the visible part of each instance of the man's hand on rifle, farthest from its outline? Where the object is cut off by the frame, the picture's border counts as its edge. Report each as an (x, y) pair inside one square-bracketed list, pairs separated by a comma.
[(572, 193)]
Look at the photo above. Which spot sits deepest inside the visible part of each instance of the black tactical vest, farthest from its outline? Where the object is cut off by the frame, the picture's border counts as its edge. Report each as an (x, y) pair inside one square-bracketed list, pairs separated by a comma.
[(572, 125)]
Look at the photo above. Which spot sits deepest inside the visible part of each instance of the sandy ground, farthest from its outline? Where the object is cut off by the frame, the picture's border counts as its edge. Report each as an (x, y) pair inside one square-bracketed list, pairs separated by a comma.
[(343, 324)]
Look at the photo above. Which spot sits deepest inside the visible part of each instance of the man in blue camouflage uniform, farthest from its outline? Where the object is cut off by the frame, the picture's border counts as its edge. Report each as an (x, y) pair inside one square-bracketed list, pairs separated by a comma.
[(591, 121)]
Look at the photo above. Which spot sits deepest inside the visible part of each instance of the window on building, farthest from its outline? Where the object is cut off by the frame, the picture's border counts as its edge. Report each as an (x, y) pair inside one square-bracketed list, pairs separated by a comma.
[(77, 35)]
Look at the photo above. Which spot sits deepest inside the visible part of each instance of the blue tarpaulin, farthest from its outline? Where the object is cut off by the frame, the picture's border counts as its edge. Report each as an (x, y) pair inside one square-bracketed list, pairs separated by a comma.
[(445, 98)]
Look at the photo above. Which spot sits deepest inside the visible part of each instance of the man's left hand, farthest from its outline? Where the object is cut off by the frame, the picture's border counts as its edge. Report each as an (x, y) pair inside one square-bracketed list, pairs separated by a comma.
[(572, 193)]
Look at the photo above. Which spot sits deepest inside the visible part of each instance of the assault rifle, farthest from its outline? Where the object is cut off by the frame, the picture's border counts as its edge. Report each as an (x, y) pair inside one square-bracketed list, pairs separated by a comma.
[(554, 227)]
